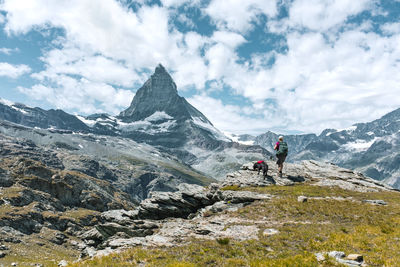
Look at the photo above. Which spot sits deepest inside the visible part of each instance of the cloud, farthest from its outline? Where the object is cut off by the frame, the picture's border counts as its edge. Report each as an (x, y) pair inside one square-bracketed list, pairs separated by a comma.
[(229, 118), (13, 71), (176, 3), (81, 95), (8, 51), (319, 85), (391, 28), (321, 15), (97, 68), (238, 16)]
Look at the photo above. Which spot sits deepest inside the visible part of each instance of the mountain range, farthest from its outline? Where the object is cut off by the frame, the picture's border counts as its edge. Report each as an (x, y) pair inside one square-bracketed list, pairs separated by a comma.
[(157, 117), (165, 121)]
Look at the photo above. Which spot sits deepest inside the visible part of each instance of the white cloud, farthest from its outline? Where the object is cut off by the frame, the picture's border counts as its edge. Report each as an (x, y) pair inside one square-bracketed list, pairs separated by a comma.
[(81, 95), (229, 39), (237, 15), (318, 85), (13, 71), (321, 15), (5, 50), (391, 28), (96, 68), (227, 117), (176, 3), (182, 18)]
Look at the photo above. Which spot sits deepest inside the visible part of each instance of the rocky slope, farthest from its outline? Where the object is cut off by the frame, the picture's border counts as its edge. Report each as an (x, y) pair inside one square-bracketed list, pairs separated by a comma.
[(371, 148)]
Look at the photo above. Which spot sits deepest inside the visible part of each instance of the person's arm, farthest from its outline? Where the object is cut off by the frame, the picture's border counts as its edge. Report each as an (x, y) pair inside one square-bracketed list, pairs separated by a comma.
[(276, 146)]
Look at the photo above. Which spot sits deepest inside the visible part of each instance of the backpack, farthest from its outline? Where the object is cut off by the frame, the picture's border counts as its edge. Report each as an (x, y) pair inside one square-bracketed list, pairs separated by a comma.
[(283, 149)]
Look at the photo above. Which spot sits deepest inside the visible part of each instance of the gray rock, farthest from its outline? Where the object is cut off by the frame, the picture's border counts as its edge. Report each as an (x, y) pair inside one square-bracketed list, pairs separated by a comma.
[(242, 196), (337, 254), (302, 199), (59, 239), (349, 263), (124, 242), (320, 256), (63, 263), (92, 235), (270, 231), (376, 202)]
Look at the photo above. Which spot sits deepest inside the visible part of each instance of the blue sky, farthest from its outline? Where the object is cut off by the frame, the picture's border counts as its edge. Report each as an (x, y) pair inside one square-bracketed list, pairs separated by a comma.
[(289, 66)]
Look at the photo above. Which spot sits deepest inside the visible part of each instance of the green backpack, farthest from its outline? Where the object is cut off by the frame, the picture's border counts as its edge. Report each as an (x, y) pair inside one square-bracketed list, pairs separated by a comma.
[(283, 149)]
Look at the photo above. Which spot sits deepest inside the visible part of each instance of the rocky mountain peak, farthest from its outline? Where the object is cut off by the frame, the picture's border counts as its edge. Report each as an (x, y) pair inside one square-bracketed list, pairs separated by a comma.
[(159, 94)]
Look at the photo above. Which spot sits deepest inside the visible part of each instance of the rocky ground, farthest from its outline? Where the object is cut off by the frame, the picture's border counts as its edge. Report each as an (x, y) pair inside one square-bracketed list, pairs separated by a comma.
[(36, 200)]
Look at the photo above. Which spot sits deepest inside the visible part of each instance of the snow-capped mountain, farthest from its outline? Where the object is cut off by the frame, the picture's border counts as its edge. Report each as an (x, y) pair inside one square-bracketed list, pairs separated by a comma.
[(157, 116), (372, 148)]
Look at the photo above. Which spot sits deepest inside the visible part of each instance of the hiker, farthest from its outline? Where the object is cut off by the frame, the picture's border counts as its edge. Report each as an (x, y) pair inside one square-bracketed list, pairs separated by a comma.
[(261, 165), (281, 152)]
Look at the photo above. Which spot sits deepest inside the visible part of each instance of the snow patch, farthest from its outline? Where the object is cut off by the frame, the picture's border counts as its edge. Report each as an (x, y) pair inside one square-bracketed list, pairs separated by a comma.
[(359, 145), (158, 116), (148, 125), (207, 126), (20, 110), (235, 138), (6, 102), (88, 122), (370, 133), (349, 130), (247, 143)]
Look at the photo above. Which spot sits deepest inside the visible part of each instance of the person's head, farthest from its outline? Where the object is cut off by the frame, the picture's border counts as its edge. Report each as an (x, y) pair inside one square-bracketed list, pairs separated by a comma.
[(280, 138)]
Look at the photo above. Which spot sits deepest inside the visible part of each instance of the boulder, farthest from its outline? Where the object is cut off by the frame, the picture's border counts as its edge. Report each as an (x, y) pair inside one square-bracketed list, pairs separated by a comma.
[(302, 199)]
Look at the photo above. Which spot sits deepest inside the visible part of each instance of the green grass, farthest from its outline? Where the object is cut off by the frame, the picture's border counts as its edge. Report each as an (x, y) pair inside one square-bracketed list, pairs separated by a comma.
[(304, 229)]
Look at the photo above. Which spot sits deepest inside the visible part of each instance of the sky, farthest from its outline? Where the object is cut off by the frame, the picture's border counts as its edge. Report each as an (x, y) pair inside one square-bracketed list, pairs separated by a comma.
[(288, 66)]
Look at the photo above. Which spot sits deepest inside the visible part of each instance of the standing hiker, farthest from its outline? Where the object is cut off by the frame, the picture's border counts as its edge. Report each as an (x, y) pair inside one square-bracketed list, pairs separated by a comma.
[(281, 148)]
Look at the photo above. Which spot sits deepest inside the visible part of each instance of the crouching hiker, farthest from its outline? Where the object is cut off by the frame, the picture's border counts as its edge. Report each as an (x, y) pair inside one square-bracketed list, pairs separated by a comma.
[(261, 165), (281, 148)]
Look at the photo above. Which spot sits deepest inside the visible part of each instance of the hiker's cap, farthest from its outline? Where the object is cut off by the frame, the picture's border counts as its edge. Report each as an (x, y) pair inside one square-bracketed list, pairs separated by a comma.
[(280, 138)]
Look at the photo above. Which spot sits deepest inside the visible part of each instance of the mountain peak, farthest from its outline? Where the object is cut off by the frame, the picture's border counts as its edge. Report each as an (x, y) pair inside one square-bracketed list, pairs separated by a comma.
[(159, 94), (160, 69)]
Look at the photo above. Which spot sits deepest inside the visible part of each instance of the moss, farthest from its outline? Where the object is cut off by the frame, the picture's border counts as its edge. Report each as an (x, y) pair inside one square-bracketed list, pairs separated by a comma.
[(231, 188), (11, 192), (80, 214)]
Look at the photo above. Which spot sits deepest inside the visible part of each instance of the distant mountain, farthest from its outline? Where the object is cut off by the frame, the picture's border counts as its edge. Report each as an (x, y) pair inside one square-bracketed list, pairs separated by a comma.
[(37, 117), (372, 148)]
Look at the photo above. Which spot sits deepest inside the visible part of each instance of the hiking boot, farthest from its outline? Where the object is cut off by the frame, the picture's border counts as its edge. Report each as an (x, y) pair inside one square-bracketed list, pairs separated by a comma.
[(280, 174)]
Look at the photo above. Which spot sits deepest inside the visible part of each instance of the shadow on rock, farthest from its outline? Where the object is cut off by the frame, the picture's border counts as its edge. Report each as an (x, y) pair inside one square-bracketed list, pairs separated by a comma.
[(296, 179)]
